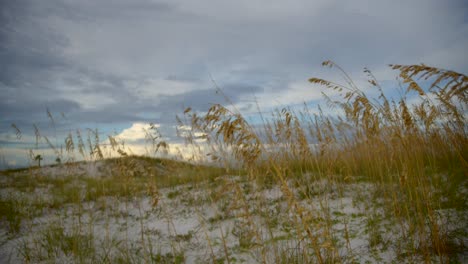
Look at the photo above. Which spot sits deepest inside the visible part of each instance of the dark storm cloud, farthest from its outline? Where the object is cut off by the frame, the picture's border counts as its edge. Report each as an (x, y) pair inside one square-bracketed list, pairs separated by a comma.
[(32, 107), (95, 11), (201, 100), (27, 48), (31, 55), (164, 108), (105, 116)]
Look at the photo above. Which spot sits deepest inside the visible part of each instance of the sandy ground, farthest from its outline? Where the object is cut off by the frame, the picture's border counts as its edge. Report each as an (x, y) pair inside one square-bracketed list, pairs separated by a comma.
[(210, 222)]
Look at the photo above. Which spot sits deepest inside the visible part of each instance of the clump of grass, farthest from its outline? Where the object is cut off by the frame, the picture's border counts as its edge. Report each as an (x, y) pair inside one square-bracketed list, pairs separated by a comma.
[(168, 258), (55, 243), (11, 214)]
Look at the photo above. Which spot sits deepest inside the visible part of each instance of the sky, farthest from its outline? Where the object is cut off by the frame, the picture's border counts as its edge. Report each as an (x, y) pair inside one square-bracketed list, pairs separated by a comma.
[(118, 65)]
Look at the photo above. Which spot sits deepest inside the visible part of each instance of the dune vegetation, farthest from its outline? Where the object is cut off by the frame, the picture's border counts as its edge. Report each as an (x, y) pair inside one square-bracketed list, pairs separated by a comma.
[(382, 179)]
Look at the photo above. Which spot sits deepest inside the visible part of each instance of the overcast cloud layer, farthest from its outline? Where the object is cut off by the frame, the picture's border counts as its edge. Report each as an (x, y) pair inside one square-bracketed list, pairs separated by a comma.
[(111, 64)]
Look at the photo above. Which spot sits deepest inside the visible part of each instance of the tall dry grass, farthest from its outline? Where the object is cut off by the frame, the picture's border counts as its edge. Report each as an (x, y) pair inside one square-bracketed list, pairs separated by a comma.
[(415, 154)]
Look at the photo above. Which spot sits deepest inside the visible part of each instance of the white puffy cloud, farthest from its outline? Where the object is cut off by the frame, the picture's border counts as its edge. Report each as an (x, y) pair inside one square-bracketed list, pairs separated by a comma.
[(136, 133)]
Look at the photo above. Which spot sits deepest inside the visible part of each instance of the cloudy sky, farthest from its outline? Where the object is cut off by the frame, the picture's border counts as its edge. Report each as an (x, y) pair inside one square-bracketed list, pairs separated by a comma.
[(118, 65)]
